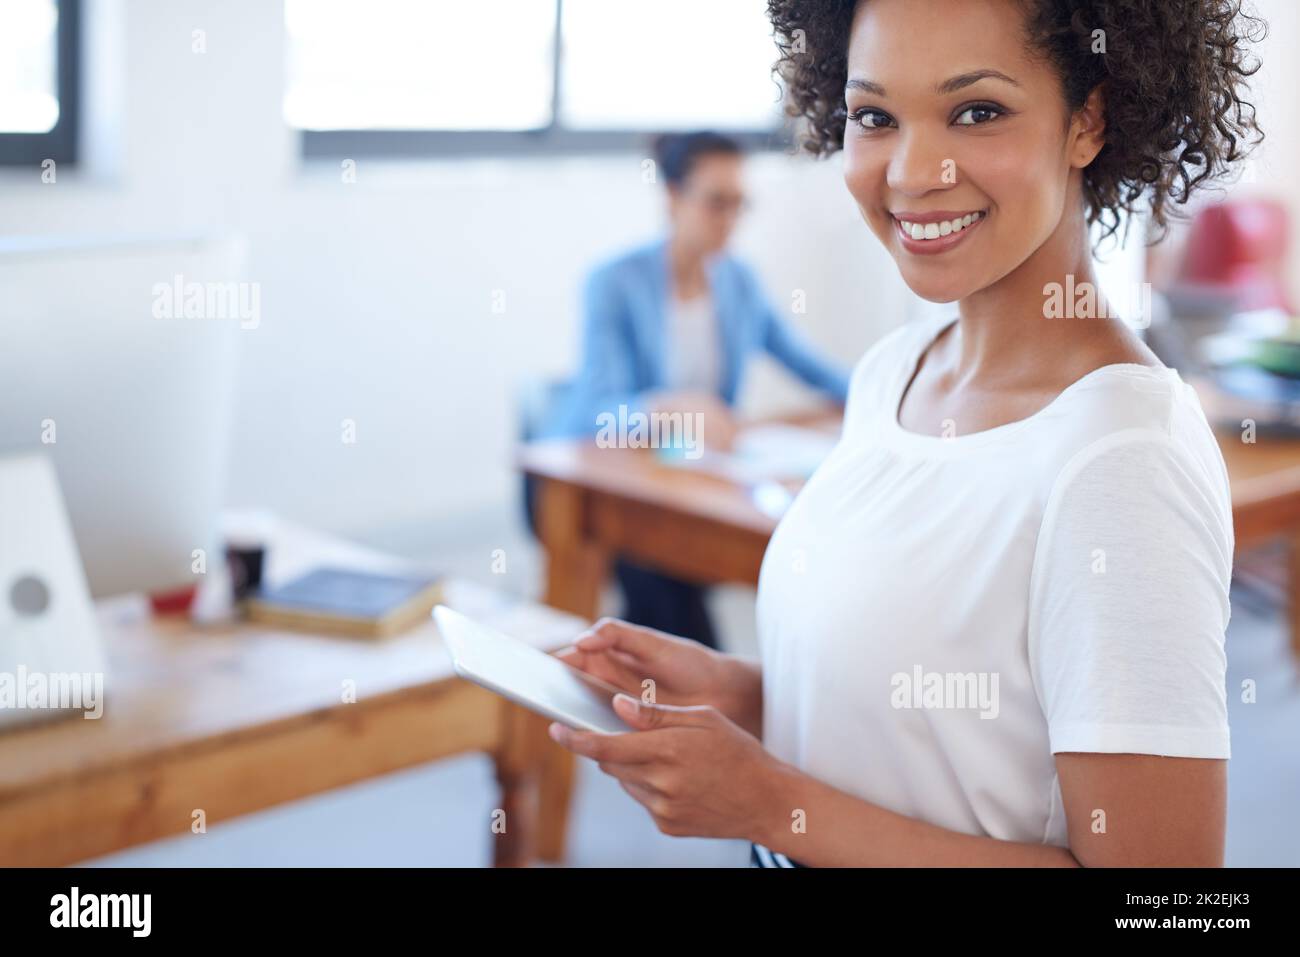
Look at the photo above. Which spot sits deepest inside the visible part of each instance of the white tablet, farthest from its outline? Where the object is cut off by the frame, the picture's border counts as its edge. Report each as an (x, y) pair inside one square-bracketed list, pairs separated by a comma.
[(532, 678)]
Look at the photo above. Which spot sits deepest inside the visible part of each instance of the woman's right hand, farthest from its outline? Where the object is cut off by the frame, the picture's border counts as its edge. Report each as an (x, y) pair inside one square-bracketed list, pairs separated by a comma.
[(682, 672)]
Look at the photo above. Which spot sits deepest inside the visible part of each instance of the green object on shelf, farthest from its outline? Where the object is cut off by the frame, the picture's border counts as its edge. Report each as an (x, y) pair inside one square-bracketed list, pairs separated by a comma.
[(1279, 355)]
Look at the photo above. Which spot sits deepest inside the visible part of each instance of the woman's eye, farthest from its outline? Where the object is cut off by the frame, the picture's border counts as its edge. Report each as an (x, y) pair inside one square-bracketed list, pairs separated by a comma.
[(871, 119), (977, 115)]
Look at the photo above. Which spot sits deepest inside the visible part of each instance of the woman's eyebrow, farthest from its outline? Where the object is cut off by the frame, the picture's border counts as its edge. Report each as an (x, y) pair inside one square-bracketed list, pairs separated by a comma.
[(963, 80), (950, 85), (866, 86)]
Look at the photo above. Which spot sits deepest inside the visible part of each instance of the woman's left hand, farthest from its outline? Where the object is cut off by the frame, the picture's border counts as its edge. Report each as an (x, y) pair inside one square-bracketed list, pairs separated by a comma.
[(694, 770)]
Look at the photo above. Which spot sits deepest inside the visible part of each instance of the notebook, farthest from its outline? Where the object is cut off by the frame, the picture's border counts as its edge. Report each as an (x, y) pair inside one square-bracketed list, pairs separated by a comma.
[(346, 602)]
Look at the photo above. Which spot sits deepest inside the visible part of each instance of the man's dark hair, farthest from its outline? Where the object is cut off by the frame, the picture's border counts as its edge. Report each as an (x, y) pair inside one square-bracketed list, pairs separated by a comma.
[(677, 153)]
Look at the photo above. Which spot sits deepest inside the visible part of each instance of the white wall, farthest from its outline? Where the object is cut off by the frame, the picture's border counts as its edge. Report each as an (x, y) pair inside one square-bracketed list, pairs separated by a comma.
[(376, 296)]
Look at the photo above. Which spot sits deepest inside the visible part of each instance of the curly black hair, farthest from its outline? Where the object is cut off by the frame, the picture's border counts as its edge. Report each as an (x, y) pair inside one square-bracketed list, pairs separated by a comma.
[(1175, 73)]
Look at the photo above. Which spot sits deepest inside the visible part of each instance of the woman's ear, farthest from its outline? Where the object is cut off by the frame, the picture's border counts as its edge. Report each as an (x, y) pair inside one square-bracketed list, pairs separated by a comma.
[(1088, 128)]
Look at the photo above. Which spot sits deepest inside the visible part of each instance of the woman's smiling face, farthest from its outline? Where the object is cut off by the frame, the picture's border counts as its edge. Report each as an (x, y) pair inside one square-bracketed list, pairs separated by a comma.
[(959, 148)]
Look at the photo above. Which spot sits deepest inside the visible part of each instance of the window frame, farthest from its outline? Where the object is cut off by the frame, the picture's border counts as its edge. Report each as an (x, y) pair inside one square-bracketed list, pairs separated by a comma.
[(554, 139), (61, 142)]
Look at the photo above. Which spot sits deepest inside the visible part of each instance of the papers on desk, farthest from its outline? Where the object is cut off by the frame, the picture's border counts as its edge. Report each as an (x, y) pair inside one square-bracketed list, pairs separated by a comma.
[(766, 453)]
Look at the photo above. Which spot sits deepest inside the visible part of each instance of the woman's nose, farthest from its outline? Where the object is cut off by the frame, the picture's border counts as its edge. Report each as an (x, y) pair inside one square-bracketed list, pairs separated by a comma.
[(919, 164)]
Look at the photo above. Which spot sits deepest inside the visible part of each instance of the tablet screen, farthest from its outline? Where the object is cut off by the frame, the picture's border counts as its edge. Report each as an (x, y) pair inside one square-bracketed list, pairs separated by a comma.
[(527, 676)]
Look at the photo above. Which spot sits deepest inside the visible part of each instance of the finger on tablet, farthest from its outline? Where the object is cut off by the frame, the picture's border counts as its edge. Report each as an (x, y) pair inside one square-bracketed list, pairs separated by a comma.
[(607, 668), (623, 748), (610, 633), (623, 772), (575, 657), (631, 662), (643, 795)]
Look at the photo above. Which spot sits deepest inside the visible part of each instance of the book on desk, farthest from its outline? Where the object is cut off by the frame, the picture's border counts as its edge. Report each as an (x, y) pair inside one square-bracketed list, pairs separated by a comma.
[(342, 601)]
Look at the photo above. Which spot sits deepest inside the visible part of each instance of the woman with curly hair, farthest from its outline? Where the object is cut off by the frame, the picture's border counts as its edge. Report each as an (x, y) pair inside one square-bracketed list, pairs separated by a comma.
[(992, 624)]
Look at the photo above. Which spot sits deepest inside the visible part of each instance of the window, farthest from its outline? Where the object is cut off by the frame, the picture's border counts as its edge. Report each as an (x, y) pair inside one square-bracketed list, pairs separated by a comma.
[(430, 77), (38, 81)]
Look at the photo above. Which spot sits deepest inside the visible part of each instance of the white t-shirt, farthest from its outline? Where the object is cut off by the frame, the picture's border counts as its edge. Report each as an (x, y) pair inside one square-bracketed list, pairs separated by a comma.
[(939, 616), (693, 358)]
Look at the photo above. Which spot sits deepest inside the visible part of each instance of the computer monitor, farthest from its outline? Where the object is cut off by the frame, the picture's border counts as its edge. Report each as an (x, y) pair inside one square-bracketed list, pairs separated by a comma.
[(117, 362)]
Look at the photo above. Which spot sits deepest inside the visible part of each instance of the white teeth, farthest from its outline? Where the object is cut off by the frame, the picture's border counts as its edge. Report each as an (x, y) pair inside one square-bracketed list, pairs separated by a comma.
[(929, 231)]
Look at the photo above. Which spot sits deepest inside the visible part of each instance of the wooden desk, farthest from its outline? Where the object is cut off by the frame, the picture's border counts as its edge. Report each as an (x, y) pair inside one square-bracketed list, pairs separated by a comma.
[(234, 719), (1265, 479), (594, 503)]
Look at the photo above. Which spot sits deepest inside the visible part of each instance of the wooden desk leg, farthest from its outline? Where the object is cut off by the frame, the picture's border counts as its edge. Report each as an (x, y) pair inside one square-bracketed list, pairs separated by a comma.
[(558, 768), (1293, 596), (576, 569), (518, 765)]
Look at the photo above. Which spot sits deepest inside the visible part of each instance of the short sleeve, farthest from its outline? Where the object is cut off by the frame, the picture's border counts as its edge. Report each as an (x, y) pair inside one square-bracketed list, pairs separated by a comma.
[(1129, 602)]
